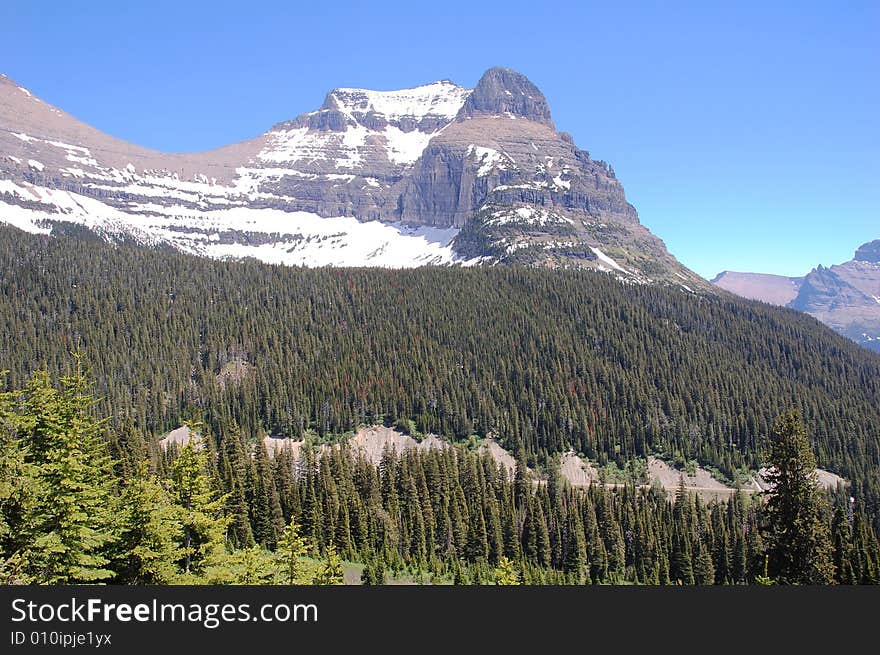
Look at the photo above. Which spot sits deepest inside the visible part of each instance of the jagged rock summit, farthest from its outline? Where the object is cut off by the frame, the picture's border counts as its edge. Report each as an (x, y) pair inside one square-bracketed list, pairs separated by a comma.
[(436, 174), (869, 252), (503, 92)]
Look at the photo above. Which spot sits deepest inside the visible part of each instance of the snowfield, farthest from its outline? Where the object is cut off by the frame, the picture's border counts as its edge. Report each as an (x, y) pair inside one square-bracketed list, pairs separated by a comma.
[(270, 235)]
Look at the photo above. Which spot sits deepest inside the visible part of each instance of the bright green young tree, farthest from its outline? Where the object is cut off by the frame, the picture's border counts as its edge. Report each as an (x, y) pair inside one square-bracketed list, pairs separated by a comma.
[(330, 570), (506, 573), (291, 547), (150, 531), (75, 526), (203, 535)]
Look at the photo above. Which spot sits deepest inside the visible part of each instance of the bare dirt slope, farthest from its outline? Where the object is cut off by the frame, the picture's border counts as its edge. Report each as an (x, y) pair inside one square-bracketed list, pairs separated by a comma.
[(501, 456), (826, 479), (701, 482), (179, 437), (369, 442), (578, 472)]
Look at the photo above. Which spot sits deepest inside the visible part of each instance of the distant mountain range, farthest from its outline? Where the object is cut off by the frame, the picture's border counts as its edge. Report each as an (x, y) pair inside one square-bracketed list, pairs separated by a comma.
[(437, 174), (845, 296)]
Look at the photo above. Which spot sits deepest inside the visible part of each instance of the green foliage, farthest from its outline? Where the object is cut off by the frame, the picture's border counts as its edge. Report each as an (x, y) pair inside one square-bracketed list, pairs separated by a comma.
[(799, 545), (248, 566), (19, 493), (574, 361), (150, 531), (373, 573), (203, 522), (330, 570), (73, 525), (291, 548), (506, 573)]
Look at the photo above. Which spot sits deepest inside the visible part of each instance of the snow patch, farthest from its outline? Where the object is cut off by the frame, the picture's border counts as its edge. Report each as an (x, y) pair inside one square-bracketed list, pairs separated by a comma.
[(292, 238), (562, 184), (606, 259), (405, 147), (530, 215), (443, 99), (301, 144), (489, 159)]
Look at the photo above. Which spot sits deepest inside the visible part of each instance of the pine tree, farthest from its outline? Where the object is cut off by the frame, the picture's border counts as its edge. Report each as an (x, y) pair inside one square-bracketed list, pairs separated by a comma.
[(203, 542), (265, 510), (75, 527), (150, 530), (19, 495), (704, 569), (842, 536), (291, 547), (575, 550), (373, 573), (235, 470), (248, 566), (506, 573), (330, 570), (799, 549)]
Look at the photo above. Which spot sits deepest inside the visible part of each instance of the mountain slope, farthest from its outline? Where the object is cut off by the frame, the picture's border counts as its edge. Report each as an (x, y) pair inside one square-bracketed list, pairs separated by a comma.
[(845, 296), (554, 360), (436, 174)]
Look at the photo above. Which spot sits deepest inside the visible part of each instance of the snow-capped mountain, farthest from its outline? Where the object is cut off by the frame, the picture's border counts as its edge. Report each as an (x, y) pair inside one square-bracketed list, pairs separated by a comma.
[(437, 174), (846, 297)]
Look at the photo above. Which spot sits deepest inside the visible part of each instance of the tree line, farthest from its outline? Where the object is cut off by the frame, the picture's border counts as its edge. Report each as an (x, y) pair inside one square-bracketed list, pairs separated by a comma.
[(544, 360), (76, 507)]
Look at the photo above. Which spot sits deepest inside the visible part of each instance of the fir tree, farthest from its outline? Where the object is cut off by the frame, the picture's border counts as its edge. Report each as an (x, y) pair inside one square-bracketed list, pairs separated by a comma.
[(330, 570), (203, 543), (19, 494), (506, 573), (75, 527), (150, 530), (373, 573), (248, 566), (799, 549), (291, 548)]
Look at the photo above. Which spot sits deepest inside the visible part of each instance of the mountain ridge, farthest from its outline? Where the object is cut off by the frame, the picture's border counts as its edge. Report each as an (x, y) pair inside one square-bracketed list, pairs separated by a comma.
[(434, 174), (846, 297)]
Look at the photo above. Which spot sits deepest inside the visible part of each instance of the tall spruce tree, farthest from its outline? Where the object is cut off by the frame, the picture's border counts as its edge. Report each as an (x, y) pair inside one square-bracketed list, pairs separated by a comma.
[(204, 526), (150, 530), (75, 527), (799, 549)]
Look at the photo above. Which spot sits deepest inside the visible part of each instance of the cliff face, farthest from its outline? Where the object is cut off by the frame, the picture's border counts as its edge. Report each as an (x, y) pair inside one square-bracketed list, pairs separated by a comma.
[(434, 174)]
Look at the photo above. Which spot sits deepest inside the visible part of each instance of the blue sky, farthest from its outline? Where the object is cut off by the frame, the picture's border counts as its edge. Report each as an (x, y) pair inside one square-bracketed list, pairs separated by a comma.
[(746, 133)]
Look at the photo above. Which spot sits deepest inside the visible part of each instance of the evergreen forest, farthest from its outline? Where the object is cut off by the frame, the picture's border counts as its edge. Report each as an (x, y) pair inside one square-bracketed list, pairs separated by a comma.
[(106, 347)]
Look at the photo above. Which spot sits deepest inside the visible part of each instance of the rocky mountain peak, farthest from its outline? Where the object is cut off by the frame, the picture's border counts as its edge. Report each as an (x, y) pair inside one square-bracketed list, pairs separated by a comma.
[(869, 252), (502, 92), (433, 174)]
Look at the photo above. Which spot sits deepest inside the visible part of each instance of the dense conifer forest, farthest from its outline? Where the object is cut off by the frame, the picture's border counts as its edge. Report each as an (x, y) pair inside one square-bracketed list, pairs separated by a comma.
[(545, 361)]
